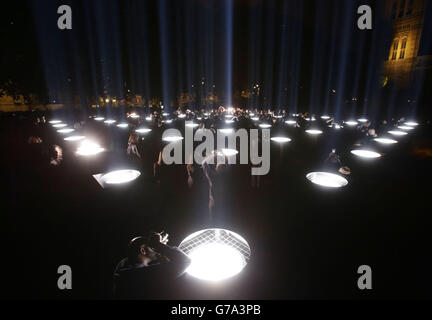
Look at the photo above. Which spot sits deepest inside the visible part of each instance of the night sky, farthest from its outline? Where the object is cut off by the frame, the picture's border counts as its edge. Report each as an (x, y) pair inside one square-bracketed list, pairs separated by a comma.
[(297, 51)]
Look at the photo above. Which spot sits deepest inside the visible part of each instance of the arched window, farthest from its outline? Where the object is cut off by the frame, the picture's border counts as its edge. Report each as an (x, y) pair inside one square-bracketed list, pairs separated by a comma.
[(402, 50), (395, 48)]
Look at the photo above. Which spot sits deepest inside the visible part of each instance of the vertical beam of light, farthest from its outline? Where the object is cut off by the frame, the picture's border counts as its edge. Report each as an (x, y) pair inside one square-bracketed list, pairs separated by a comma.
[(342, 67), (378, 51), (295, 62), (269, 54), (319, 49), (166, 58), (190, 52), (179, 45), (136, 19), (330, 71), (228, 6), (255, 52), (283, 57)]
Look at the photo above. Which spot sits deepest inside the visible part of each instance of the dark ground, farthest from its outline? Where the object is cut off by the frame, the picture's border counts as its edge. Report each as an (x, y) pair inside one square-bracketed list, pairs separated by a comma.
[(306, 242)]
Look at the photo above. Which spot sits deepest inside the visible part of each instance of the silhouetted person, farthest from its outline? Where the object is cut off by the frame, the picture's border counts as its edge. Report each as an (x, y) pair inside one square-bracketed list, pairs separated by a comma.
[(149, 270)]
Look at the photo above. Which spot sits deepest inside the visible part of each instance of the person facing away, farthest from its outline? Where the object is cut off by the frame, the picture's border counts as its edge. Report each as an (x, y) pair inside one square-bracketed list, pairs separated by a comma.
[(150, 268)]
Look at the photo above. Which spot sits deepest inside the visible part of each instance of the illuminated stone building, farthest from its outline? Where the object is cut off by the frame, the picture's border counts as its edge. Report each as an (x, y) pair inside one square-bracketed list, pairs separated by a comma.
[(405, 54)]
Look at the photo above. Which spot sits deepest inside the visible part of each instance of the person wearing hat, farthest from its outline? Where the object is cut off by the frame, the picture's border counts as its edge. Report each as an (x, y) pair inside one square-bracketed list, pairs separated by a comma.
[(149, 267)]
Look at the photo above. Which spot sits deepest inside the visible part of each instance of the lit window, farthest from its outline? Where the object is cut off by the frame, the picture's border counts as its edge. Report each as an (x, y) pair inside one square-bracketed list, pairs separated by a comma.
[(403, 46), (395, 48)]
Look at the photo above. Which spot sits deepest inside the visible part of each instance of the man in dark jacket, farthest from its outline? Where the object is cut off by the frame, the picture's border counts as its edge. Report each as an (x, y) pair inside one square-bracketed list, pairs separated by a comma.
[(149, 269)]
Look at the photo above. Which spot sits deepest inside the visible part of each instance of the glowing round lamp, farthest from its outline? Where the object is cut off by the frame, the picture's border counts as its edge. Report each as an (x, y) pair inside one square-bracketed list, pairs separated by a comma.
[(74, 138), (325, 117), (65, 130), (60, 125), (362, 120), (192, 125), (280, 139), (314, 132), (120, 176), (351, 123), (405, 128), (110, 121), (172, 138), (291, 122), (143, 130), (411, 123), (385, 141), (255, 118), (99, 118), (366, 154), (89, 148), (397, 133), (55, 121), (326, 179), (181, 116), (216, 254), (123, 125), (265, 126), (229, 152)]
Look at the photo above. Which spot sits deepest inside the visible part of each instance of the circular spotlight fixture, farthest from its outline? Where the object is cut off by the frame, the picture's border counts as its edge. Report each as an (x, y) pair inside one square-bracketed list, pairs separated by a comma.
[(89, 148), (226, 131), (55, 121), (199, 118), (143, 130), (181, 116), (405, 128), (325, 117), (192, 125), (278, 117), (280, 139), (411, 123), (362, 120), (397, 133), (216, 254), (123, 125), (110, 121), (134, 116), (229, 152), (327, 179), (255, 118), (74, 138), (351, 123), (366, 154), (314, 132), (167, 121), (291, 122), (60, 125), (385, 141), (172, 138), (165, 114), (265, 125), (65, 130), (99, 118), (148, 118), (120, 176)]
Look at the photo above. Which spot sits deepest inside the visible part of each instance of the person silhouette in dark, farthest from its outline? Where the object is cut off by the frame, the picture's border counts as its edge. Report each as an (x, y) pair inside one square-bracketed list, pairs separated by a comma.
[(149, 269)]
